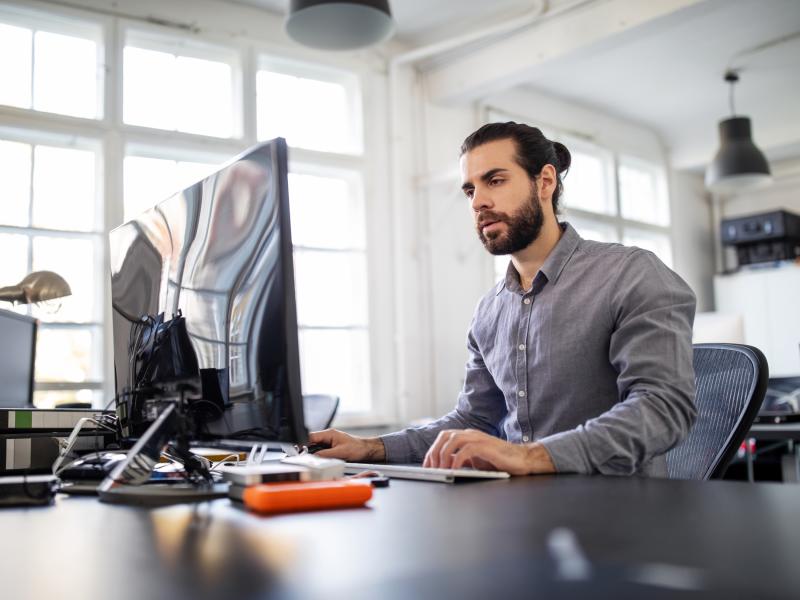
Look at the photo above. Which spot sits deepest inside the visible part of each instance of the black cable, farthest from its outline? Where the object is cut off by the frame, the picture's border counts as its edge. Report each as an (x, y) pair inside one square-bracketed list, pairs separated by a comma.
[(731, 77)]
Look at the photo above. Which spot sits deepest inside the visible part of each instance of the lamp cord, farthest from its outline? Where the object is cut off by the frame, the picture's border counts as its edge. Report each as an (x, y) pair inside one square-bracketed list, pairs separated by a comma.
[(731, 77), (730, 100)]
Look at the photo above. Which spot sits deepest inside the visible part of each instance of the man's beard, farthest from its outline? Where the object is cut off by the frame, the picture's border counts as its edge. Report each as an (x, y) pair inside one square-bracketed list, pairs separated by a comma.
[(523, 227)]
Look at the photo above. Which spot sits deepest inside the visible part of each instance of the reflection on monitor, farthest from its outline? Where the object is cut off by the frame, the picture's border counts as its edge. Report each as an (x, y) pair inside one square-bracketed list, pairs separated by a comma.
[(220, 254), (718, 328)]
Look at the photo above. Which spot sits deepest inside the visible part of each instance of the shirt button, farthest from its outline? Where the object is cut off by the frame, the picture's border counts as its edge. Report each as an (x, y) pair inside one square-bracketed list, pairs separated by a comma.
[(525, 438), (526, 301), (521, 393), (522, 346)]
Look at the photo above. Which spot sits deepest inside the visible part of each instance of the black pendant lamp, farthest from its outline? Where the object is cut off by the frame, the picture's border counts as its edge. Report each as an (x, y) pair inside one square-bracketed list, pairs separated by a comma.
[(739, 164), (339, 24)]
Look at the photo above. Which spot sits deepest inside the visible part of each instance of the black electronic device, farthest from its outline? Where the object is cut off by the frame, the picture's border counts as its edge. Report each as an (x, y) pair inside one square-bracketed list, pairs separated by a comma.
[(18, 333), (314, 448), (92, 467), (764, 237), (28, 490), (203, 292)]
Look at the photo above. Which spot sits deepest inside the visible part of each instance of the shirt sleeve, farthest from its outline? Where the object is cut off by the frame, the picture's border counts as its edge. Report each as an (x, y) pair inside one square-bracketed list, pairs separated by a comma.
[(480, 405), (652, 311)]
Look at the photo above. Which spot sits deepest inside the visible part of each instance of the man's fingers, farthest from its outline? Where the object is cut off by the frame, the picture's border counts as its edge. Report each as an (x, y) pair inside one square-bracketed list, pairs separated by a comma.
[(321, 437), (329, 453), (447, 443), (474, 454), (431, 456), (466, 455), (448, 447)]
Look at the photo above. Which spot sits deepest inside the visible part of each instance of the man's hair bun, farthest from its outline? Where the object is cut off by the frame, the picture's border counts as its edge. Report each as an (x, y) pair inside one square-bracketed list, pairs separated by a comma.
[(563, 156)]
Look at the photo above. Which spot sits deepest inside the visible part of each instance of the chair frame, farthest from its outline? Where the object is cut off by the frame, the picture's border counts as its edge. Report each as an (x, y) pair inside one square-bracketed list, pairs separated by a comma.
[(758, 388)]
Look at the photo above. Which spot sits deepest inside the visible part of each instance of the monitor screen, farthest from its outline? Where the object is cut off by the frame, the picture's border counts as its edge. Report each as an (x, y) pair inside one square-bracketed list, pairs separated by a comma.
[(217, 255), (18, 333)]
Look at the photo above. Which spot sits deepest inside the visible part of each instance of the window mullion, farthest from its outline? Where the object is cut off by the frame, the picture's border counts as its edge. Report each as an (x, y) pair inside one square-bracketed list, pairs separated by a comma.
[(33, 63), (617, 199)]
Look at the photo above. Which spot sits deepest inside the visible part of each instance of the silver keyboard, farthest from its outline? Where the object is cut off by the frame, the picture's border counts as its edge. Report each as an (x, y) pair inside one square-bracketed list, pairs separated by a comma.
[(424, 473)]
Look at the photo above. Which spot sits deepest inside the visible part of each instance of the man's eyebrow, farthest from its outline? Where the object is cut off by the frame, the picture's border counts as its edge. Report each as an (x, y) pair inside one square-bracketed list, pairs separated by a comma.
[(484, 177)]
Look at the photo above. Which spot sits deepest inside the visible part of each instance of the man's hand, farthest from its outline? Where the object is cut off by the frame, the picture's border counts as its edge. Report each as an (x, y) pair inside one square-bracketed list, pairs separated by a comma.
[(458, 448), (348, 447)]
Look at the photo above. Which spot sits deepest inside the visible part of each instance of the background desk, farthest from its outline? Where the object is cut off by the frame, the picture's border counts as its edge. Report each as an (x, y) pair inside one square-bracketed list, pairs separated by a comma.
[(789, 432), (419, 540)]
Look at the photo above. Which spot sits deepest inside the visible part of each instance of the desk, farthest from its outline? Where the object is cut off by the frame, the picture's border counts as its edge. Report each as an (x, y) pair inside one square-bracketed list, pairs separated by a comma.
[(790, 432), (419, 540)]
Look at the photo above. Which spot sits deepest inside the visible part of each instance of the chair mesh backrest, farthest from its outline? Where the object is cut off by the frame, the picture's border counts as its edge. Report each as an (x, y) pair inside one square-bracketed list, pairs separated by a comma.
[(727, 379)]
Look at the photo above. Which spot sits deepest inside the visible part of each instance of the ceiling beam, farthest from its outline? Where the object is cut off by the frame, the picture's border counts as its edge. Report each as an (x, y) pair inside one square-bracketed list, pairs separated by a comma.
[(513, 60)]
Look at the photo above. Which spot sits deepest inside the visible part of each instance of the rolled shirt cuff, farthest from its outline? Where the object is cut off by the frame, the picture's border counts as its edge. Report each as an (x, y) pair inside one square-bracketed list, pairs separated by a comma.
[(398, 448), (567, 452)]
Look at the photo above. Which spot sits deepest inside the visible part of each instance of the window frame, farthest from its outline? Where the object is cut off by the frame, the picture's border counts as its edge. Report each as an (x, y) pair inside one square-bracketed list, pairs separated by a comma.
[(150, 37), (96, 235), (64, 21), (328, 74)]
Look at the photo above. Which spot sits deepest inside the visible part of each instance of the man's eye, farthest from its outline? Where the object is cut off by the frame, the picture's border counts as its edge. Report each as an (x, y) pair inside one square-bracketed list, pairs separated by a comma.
[(496, 181), (469, 193)]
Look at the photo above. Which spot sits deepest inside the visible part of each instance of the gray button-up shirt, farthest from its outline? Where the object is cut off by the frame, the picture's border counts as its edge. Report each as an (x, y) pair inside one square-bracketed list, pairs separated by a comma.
[(594, 362)]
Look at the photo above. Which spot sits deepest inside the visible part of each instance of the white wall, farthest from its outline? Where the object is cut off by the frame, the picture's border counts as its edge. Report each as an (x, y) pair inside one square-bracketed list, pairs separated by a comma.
[(784, 193), (693, 235)]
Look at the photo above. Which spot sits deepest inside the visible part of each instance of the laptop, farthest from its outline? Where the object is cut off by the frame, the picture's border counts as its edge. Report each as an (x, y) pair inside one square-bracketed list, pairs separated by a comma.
[(18, 333)]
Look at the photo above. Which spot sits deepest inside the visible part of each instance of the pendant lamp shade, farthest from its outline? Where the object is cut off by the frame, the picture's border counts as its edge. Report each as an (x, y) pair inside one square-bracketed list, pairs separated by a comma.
[(739, 163), (339, 24)]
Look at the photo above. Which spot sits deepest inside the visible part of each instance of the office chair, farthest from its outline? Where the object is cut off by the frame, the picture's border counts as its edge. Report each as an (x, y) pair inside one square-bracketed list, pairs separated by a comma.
[(319, 410), (731, 382)]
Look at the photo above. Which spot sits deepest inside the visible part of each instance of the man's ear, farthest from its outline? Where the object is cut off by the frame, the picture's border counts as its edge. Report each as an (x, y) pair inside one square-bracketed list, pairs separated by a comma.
[(548, 179)]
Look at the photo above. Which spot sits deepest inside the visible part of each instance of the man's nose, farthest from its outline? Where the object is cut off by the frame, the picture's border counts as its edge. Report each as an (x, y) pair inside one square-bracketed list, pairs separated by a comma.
[(480, 200)]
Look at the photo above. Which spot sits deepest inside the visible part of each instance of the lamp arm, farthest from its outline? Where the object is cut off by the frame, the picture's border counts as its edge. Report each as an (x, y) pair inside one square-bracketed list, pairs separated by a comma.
[(12, 293)]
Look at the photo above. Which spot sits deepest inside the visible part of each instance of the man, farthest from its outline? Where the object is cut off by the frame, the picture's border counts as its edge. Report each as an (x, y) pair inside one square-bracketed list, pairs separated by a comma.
[(580, 361)]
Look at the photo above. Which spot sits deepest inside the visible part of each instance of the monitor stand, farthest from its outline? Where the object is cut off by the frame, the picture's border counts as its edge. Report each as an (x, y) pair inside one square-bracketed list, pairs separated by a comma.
[(289, 449), (163, 494), (127, 483)]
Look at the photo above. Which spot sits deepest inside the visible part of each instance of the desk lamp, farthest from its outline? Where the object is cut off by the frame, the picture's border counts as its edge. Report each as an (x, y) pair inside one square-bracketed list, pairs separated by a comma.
[(39, 286)]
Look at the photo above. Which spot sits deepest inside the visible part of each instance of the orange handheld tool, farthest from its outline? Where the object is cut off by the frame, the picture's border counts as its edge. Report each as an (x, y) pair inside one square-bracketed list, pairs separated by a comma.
[(310, 495)]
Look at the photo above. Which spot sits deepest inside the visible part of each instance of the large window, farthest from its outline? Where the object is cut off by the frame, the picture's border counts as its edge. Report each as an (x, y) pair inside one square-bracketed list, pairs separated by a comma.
[(86, 145)]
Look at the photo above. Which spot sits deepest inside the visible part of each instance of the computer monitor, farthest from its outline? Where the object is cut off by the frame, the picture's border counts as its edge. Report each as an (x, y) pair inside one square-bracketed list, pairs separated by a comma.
[(18, 333), (219, 253)]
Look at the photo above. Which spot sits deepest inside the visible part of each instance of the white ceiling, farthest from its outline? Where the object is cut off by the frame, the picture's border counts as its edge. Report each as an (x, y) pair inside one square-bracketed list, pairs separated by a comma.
[(422, 21), (669, 77)]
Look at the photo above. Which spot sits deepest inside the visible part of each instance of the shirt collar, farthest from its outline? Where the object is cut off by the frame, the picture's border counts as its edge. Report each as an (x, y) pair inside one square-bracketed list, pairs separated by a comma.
[(553, 265)]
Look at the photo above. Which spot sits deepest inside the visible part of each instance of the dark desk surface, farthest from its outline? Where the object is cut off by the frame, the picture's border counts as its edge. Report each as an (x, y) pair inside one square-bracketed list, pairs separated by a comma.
[(777, 431), (653, 538)]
